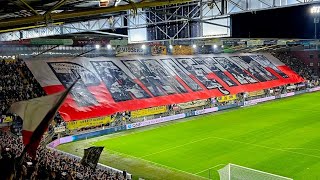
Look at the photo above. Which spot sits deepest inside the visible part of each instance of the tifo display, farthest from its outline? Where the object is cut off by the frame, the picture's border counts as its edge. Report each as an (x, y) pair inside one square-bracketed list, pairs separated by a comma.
[(115, 85)]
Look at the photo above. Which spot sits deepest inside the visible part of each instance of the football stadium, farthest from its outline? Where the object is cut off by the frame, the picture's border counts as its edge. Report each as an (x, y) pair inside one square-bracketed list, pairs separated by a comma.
[(159, 90)]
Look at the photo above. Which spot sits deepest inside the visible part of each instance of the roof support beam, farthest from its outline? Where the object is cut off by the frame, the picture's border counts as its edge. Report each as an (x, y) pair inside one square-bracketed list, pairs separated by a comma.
[(29, 7), (84, 13), (190, 19), (56, 6), (46, 50)]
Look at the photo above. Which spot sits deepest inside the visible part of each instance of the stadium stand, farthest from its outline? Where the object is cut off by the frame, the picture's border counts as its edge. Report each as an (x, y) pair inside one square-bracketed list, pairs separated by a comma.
[(18, 83), (296, 65)]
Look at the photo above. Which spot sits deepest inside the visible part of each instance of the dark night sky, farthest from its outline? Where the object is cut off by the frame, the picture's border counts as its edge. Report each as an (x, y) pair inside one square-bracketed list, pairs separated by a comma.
[(291, 22)]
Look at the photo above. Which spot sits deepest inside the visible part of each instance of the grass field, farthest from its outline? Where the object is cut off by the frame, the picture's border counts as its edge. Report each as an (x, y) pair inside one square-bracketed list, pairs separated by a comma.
[(280, 137)]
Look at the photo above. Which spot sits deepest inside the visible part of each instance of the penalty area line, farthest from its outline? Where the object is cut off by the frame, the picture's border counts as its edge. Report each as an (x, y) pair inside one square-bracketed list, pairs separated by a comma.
[(267, 147), (210, 168)]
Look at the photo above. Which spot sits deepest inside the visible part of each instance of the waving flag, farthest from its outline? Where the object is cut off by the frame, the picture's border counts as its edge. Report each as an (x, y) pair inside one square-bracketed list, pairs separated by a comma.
[(37, 114), (91, 156)]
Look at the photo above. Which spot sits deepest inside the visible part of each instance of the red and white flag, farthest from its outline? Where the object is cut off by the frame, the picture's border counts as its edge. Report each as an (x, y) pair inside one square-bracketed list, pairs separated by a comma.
[(37, 114), (33, 111)]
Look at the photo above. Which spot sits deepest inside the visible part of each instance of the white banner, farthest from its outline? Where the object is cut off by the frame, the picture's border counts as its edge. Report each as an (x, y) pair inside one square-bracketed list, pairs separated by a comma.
[(314, 89), (205, 111), (287, 95), (155, 121), (256, 101), (59, 129), (129, 50)]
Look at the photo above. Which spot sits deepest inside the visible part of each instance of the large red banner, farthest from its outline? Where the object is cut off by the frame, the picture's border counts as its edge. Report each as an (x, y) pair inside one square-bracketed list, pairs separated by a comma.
[(111, 85)]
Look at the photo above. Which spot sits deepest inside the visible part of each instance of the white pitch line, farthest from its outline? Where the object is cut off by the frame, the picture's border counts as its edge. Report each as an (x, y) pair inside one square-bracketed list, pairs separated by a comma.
[(261, 146), (210, 168), (295, 109), (267, 147), (158, 164), (304, 149), (174, 147)]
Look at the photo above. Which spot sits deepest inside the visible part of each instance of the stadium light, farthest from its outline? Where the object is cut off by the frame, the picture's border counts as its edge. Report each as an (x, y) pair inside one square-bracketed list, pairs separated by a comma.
[(194, 46), (97, 46), (143, 46), (315, 10), (109, 46)]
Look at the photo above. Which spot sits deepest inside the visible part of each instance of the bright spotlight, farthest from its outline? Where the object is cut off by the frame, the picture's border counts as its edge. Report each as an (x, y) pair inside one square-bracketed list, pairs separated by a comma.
[(170, 46), (97, 46), (215, 46), (315, 10), (109, 46), (222, 46), (143, 46), (194, 46)]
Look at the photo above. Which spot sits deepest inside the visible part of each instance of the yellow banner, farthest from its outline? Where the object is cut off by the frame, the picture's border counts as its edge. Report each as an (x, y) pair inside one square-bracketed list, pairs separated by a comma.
[(7, 61), (226, 98), (256, 93), (158, 50), (182, 50), (149, 111), (6, 119), (88, 122), (192, 104)]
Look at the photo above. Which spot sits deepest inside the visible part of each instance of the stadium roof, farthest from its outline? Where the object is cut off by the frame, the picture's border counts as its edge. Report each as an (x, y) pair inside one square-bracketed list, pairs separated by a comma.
[(17, 13), (27, 19)]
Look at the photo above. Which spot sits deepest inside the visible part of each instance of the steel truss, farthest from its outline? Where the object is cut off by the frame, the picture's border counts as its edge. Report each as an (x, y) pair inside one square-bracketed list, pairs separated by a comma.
[(185, 20), (44, 51)]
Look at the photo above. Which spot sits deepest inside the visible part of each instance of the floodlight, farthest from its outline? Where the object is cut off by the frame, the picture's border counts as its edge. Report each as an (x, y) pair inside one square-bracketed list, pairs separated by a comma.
[(315, 10)]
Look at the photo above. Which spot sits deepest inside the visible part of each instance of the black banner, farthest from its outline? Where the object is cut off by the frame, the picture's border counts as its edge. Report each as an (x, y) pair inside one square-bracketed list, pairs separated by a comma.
[(91, 156)]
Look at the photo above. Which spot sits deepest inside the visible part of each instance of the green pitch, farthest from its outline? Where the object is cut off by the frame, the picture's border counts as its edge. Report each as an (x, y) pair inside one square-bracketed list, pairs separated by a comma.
[(280, 137)]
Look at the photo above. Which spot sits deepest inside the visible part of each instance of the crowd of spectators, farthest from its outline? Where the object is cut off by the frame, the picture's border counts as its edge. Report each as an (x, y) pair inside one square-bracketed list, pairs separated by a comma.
[(296, 65), (16, 84), (48, 165)]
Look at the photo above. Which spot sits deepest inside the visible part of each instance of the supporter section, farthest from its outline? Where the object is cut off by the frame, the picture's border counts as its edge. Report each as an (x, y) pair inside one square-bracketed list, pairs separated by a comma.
[(114, 85)]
